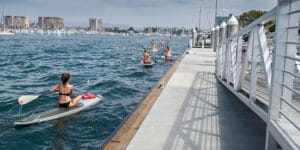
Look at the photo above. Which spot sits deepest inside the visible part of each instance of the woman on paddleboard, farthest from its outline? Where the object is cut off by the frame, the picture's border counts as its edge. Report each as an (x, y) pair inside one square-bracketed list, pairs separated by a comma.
[(146, 58), (168, 53), (65, 90), (153, 45)]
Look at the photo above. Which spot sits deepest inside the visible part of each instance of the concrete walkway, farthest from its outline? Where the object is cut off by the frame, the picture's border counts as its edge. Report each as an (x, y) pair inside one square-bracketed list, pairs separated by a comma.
[(194, 111)]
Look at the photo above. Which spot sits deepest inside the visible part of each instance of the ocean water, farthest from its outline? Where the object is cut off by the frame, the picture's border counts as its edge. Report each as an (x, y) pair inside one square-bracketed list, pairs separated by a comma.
[(112, 64)]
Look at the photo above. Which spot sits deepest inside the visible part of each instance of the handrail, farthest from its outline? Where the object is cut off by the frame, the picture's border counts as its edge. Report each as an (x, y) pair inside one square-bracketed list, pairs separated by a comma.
[(290, 73), (294, 43), (261, 20), (292, 58), (291, 105), (294, 12), (289, 119), (271, 53), (291, 89)]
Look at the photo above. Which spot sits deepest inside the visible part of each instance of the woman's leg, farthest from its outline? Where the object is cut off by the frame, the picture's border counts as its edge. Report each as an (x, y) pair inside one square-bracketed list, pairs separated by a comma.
[(75, 101)]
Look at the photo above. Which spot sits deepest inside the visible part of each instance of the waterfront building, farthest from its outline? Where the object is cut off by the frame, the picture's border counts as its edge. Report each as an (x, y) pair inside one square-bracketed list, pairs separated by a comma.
[(51, 23), (16, 22), (95, 24)]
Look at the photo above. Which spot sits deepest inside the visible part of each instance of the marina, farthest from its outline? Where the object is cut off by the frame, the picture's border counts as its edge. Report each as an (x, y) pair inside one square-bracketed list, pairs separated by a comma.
[(232, 82)]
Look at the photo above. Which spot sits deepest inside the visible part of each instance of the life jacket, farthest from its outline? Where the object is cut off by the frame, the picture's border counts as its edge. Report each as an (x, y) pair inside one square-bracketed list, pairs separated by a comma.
[(88, 96)]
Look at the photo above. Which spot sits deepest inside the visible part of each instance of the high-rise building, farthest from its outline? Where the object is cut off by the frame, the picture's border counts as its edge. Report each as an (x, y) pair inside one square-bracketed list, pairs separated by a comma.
[(95, 24), (16, 22), (50, 23)]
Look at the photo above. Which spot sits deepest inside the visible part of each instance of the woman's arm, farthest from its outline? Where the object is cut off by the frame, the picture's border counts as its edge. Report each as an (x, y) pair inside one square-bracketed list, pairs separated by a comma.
[(72, 89), (54, 89)]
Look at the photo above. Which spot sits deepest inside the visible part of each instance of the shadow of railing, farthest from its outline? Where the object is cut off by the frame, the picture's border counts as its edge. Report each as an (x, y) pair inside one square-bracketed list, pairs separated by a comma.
[(211, 117)]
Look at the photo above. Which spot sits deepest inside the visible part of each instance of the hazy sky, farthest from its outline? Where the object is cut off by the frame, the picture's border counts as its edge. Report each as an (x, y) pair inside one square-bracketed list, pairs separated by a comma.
[(137, 13)]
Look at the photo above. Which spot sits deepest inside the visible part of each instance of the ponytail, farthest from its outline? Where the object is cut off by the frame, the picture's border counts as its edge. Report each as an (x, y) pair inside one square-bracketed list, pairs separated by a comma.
[(65, 77)]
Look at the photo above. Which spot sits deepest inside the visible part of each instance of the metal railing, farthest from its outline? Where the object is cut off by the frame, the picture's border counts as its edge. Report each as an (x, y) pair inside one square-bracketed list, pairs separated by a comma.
[(262, 67)]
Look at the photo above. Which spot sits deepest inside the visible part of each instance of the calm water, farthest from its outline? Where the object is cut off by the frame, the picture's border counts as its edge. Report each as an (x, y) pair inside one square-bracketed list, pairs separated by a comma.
[(33, 64)]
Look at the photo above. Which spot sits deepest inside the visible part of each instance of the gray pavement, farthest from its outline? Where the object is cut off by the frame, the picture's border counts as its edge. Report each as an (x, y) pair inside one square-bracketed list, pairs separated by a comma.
[(194, 111)]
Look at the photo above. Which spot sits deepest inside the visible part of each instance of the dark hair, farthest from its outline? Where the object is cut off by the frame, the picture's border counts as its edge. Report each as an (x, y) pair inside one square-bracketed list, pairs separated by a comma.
[(65, 77)]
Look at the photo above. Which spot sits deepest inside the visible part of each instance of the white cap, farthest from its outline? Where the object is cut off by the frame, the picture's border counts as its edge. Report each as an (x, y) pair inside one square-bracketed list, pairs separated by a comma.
[(217, 27), (232, 21), (223, 24), (213, 29)]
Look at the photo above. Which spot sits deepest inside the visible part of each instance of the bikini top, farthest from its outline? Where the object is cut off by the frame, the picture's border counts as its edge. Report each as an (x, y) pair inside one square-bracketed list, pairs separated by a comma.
[(66, 94)]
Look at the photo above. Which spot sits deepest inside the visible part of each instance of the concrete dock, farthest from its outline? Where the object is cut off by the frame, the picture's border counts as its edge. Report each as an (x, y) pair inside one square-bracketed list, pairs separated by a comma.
[(194, 111)]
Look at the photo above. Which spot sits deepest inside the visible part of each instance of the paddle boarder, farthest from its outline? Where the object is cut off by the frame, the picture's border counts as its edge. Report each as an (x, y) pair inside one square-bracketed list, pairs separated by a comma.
[(168, 53), (153, 45), (65, 90), (146, 58)]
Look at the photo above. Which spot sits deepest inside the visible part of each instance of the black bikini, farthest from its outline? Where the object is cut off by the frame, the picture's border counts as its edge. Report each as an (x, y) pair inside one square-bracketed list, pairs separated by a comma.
[(66, 94), (64, 105)]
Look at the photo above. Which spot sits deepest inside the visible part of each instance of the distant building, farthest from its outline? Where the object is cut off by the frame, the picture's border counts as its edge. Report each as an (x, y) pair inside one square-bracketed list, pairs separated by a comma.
[(95, 24), (50, 23), (16, 22)]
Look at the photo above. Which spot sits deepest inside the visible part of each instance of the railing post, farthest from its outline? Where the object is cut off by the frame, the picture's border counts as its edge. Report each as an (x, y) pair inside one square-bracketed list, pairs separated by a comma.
[(194, 37), (222, 32), (216, 38), (212, 37), (224, 61), (238, 68), (232, 27), (254, 66), (244, 62), (278, 66), (266, 58)]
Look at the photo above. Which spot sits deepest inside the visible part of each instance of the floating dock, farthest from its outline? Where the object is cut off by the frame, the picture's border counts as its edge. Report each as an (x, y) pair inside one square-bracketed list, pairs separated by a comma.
[(192, 111)]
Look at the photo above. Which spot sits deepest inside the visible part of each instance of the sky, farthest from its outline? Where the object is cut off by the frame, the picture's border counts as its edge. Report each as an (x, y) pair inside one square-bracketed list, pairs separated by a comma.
[(136, 13)]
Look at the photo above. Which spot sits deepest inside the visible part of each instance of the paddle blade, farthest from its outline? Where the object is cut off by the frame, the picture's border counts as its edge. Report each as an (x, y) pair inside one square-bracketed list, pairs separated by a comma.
[(26, 99)]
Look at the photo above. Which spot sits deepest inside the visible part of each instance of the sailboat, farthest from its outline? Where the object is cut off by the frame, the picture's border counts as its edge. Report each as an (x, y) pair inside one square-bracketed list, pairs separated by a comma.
[(4, 32)]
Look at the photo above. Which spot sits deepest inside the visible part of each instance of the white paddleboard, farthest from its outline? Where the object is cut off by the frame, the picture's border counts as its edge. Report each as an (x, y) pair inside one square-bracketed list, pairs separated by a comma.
[(147, 65), (56, 113)]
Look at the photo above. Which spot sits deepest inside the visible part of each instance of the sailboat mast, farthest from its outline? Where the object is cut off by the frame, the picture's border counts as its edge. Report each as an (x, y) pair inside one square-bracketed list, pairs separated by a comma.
[(200, 19), (216, 12), (3, 19)]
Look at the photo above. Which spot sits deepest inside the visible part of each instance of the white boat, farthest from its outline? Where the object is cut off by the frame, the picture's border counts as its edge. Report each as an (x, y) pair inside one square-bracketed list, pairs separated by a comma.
[(6, 33)]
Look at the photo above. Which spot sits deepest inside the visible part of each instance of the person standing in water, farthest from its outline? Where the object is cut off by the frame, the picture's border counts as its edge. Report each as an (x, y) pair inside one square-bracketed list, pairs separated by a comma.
[(168, 53), (153, 45), (162, 45), (65, 90), (146, 58)]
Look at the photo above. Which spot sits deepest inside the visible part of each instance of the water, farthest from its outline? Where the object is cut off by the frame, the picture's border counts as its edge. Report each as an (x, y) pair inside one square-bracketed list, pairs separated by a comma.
[(33, 64)]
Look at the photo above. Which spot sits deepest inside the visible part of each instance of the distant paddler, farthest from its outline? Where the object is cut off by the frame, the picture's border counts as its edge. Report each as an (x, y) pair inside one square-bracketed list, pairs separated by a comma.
[(168, 53), (146, 59), (153, 45), (162, 45)]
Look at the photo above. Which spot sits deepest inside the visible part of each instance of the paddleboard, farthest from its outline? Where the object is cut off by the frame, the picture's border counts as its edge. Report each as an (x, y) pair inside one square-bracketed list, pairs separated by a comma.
[(56, 113), (148, 64)]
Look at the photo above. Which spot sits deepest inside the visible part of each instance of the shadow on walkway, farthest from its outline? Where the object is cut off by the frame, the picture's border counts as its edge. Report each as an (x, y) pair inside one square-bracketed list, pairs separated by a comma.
[(211, 117)]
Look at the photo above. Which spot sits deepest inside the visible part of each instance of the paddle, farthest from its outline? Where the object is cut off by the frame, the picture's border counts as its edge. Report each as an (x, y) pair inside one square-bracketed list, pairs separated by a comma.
[(25, 99)]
